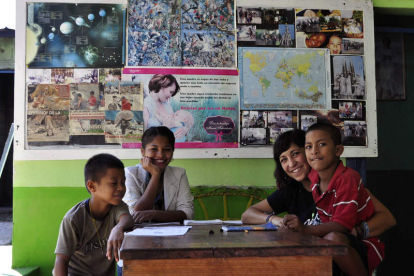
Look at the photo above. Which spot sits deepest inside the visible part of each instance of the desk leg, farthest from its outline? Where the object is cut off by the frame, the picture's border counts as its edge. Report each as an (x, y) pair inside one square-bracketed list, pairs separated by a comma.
[(245, 266)]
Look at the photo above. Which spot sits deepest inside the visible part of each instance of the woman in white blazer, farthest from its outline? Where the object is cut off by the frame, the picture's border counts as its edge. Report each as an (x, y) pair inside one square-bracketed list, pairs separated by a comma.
[(156, 191)]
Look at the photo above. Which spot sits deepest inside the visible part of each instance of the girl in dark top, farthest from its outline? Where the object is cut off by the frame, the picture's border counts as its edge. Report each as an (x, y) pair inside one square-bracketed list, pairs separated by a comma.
[(293, 194)]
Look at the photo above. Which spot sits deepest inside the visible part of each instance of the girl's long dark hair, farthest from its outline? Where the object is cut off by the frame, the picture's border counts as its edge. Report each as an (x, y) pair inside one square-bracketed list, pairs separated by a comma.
[(282, 144)]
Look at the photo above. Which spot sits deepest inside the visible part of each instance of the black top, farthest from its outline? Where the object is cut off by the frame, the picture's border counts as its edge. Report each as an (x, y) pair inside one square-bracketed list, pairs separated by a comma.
[(300, 203)]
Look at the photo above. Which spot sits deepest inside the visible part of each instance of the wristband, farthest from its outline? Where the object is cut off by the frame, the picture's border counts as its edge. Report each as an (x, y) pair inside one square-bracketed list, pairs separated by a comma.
[(269, 216), (365, 229)]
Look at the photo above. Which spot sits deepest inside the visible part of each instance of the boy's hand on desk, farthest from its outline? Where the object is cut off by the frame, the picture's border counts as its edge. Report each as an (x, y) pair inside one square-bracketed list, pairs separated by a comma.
[(143, 216), (114, 242), (293, 222)]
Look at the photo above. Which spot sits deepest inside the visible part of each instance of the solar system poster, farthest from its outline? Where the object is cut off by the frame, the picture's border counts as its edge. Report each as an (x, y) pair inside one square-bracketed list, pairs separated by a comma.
[(75, 35)]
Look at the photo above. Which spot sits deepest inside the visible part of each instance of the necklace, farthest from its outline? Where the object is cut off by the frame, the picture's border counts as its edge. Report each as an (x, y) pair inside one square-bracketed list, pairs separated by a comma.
[(96, 228)]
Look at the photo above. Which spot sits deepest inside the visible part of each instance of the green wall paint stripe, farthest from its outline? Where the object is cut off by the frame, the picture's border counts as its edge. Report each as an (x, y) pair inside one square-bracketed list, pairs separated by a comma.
[(394, 4), (201, 172)]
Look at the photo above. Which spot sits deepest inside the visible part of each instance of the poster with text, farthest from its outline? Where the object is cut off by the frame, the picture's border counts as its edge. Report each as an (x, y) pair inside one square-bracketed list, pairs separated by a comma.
[(199, 105), (75, 35)]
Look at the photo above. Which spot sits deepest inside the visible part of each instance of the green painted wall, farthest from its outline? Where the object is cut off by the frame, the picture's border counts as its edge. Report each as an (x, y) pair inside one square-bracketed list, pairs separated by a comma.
[(45, 190)]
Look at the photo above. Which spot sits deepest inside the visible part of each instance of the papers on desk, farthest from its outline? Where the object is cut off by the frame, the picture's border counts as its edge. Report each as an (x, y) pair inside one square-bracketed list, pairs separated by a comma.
[(212, 222), (160, 231)]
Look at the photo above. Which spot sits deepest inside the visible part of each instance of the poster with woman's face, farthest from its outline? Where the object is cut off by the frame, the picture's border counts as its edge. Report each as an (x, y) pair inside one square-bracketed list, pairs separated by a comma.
[(199, 106)]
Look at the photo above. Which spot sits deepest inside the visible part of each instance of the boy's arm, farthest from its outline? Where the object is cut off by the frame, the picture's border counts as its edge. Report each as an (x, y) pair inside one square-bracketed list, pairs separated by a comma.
[(61, 265), (293, 222), (381, 220), (117, 235)]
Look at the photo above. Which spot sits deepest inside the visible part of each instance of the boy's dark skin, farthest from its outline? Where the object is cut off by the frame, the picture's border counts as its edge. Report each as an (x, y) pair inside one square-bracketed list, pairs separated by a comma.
[(323, 156), (104, 194)]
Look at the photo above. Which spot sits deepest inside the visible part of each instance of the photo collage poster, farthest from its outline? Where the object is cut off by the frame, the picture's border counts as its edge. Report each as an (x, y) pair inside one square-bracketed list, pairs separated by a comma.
[(71, 106), (276, 75), (200, 106)]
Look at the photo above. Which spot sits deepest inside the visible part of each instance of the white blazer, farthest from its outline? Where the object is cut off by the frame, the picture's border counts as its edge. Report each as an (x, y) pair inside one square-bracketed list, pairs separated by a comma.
[(177, 194)]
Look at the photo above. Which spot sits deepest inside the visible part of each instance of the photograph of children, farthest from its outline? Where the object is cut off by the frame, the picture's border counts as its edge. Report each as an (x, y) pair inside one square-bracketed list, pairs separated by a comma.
[(129, 87), (75, 35), (355, 133), (279, 119), (348, 77), (306, 121), (249, 15), (353, 24), (253, 119), (84, 97), (287, 35), (123, 126), (350, 110), (208, 49), (246, 32), (47, 97), (332, 41), (86, 75), (62, 76), (123, 102), (253, 136), (390, 66), (37, 76), (307, 24), (274, 17), (91, 123), (267, 37), (47, 126), (109, 74), (275, 132), (111, 87), (353, 46)]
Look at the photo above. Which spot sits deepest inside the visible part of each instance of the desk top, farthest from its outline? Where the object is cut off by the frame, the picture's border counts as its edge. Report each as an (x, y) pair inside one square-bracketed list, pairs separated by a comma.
[(198, 243)]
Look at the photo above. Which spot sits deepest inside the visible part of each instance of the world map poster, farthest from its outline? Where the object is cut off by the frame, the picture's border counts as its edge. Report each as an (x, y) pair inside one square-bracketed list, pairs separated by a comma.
[(276, 78)]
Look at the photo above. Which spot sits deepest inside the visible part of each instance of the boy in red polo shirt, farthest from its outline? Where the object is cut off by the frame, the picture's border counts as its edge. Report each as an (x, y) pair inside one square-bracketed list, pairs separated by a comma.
[(341, 201)]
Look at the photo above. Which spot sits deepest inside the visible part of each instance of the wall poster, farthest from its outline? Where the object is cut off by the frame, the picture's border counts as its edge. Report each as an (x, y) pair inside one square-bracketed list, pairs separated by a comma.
[(284, 78), (200, 106), (75, 35)]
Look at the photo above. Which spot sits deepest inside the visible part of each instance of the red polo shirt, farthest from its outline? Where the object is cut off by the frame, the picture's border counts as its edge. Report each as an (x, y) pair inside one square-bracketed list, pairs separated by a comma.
[(346, 202)]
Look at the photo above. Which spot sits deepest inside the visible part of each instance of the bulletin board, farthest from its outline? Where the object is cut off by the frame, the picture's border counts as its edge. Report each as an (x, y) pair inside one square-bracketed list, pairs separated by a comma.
[(73, 108)]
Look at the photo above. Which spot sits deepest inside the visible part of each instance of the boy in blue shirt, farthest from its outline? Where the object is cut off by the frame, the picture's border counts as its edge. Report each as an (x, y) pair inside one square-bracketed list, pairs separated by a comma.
[(91, 233)]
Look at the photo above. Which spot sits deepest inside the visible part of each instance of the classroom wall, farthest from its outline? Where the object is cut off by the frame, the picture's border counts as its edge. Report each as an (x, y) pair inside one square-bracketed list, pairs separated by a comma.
[(45, 190)]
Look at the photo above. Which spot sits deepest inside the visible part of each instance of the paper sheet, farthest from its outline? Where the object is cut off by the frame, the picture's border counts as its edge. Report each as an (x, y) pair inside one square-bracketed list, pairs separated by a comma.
[(160, 231)]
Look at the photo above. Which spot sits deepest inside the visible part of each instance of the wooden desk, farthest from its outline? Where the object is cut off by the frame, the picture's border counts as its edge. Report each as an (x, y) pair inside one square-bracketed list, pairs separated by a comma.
[(229, 253)]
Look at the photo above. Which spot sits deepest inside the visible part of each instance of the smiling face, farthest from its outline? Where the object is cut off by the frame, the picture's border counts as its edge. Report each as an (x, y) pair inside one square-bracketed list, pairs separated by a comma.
[(160, 151), (335, 45), (166, 93), (294, 163), (111, 187), (321, 152)]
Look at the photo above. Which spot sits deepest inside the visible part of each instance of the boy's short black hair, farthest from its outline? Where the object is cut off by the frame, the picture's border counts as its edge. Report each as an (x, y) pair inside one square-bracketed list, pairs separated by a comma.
[(153, 132), (97, 165), (330, 129)]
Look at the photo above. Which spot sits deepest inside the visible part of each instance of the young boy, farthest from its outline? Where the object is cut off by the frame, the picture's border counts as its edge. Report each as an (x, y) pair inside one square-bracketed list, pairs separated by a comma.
[(341, 201), (93, 230)]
